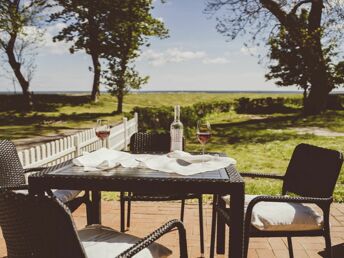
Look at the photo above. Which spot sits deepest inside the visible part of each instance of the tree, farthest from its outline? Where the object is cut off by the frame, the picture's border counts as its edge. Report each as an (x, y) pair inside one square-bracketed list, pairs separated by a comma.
[(85, 19), (258, 16), (289, 67), (120, 84), (19, 35), (127, 29)]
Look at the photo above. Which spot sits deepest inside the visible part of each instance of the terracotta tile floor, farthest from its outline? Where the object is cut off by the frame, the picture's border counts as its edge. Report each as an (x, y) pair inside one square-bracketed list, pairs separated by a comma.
[(147, 216)]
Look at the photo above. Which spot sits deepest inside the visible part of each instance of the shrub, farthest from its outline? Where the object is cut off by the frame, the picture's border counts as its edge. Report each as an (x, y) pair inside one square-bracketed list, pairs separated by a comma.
[(261, 106), (205, 108), (159, 119)]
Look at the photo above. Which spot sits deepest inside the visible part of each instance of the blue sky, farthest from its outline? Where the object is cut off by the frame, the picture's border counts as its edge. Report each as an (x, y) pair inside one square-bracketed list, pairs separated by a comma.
[(194, 57)]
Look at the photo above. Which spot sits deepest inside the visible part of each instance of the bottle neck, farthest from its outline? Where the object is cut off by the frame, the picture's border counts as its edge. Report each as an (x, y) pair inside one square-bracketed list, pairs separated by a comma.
[(177, 113)]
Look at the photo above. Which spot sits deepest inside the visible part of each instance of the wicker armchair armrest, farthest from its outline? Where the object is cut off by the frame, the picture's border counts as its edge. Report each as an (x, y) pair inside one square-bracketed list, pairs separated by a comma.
[(297, 199), (261, 175), (11, 188), (29, 170), (146, 241)]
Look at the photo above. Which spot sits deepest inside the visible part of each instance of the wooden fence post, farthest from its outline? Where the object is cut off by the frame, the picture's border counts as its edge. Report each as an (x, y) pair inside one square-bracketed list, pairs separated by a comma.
[(77, 145), (136, 116), (125, 126)]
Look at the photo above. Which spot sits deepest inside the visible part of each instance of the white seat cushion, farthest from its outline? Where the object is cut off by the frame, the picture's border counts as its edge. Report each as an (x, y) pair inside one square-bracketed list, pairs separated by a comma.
[(66, 195), (282, 216), (63, 195), (104, 242)]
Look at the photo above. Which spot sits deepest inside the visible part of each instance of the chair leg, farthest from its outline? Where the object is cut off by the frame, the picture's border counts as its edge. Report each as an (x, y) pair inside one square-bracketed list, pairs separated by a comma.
[(246, 244), (182, 211), (290, 247), (213, 227), (122, 209), (201, 233), (88, 207), (328, 249), (128, 215), (327, 234)]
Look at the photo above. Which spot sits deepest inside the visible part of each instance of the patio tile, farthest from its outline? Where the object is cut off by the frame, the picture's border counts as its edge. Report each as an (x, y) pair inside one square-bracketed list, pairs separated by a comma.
[(277, 244), (147, 216), (265, 253)]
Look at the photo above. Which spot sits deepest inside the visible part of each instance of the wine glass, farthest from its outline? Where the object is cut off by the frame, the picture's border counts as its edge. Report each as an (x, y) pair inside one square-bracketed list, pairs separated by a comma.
[(203, 133), (102, 129)]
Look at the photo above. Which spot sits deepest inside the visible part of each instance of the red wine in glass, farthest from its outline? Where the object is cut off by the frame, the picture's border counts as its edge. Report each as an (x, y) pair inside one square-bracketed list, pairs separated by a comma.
[(102, 130), (103, 134), (203, 138), (203, 133)]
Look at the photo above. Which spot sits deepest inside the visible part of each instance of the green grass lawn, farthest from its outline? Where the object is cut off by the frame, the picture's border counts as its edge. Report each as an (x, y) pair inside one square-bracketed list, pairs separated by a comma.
[(266, 145), (260, 143)]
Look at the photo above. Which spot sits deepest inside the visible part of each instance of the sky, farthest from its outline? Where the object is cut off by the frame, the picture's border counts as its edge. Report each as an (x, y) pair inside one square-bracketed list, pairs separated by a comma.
[(195, 57)]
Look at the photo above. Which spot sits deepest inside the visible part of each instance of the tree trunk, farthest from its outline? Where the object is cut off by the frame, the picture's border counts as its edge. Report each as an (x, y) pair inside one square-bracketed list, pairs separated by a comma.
[(119, 103), (304, 95), (319, 90), (16, 67), (96, 78), (314, 57), (316, 101)]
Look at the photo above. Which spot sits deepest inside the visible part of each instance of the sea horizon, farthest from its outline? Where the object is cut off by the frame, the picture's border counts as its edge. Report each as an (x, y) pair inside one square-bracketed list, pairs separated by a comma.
[(172, 91)]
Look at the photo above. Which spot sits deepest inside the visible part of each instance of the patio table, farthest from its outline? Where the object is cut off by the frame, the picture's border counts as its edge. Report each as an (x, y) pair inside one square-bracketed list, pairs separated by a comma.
[(218, 182)]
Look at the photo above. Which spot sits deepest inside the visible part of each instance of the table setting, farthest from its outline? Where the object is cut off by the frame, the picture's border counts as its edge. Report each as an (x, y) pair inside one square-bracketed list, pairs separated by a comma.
[(180, 162)]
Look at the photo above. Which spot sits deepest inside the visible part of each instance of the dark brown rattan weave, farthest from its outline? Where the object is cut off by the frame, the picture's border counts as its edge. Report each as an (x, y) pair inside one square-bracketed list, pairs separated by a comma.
[(12, 173), (41, 227), (312, 174), (157, 143)]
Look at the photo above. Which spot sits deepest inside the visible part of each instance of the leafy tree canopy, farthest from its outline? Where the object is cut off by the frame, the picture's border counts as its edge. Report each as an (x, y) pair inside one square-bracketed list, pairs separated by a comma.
[(263, 18), (290, 69)]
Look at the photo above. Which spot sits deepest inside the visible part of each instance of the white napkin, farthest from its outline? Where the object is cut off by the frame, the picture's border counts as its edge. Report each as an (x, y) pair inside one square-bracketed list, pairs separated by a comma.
[(179, 162), (184, 163), (103, 159), (187, 157)]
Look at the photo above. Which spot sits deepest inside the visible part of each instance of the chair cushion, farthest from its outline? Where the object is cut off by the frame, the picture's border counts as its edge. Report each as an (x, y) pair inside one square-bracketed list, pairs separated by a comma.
[(100, 241), (282, 216), (63, 195), (66, 195)]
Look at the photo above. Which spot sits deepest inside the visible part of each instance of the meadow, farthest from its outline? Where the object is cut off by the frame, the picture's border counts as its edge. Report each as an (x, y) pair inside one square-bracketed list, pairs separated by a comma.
[(259, 142)]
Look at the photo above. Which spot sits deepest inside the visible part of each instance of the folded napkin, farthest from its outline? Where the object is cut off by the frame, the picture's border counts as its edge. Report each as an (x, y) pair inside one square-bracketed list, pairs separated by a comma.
[(104, 159)]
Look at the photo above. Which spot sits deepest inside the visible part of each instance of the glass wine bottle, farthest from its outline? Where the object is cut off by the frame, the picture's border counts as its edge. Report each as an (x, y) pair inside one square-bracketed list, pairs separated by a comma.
[(176, 131)]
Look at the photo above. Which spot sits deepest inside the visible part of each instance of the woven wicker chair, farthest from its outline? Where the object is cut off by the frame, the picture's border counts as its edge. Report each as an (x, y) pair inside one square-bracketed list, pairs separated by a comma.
[(157, 143), (12, 176), (311, 177), (41, 227)]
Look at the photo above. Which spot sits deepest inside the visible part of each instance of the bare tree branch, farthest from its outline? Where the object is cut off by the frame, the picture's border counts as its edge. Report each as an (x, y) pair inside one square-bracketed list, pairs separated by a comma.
[(293, 11)]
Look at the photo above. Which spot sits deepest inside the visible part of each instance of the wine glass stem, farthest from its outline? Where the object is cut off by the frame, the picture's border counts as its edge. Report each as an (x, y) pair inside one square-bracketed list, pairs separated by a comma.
[(105, 143), (203, 148)]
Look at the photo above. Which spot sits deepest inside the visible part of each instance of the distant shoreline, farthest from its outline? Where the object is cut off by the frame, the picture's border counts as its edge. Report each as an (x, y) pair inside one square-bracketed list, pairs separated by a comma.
[(167, 91)]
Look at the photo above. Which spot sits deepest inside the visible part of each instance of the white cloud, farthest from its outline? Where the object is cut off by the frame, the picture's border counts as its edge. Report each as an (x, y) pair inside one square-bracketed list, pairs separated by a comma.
[(177, 55), (217, 60), (248, 50), (171, 55), (56, 48), (45, 39)]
